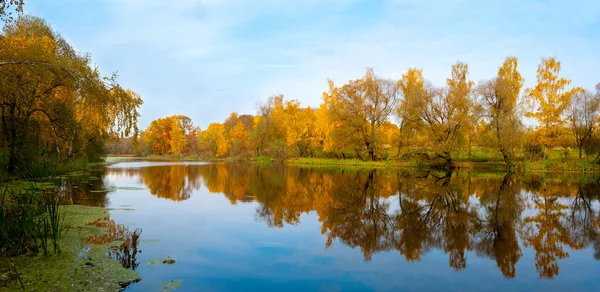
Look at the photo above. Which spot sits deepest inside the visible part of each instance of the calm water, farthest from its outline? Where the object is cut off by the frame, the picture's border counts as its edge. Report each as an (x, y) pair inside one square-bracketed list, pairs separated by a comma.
[(277, 228)]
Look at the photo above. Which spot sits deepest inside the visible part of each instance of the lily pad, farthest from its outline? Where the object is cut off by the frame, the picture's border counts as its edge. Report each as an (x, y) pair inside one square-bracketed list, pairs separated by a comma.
[(171, 285)]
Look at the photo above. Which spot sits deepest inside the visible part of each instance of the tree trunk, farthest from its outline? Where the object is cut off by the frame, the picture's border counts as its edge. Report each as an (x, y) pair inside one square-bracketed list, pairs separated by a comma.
[(506, 157)]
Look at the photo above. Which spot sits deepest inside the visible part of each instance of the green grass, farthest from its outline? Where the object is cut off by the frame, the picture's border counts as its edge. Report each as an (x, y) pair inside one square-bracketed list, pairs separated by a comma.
[(342, 162), (481, 159)]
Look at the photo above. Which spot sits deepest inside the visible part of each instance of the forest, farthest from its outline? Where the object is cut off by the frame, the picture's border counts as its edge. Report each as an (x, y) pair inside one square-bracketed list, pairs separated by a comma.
[(410, 119), (56, 109)]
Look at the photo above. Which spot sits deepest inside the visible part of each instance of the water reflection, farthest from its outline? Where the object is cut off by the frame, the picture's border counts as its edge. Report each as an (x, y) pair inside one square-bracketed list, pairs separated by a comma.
[(495, 215), (83, 189), (127, 250)]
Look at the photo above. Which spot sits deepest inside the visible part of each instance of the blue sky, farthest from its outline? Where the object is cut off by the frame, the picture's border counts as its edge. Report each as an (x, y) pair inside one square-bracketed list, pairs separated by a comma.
[(206, 59)]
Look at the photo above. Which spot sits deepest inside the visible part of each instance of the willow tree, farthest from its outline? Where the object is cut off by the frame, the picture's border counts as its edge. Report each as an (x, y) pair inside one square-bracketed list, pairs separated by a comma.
[(50, 95), (361, 106), (500, 97)]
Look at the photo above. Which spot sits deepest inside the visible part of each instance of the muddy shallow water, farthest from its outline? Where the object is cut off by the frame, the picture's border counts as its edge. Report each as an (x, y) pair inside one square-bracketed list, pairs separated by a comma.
[(232, 227)]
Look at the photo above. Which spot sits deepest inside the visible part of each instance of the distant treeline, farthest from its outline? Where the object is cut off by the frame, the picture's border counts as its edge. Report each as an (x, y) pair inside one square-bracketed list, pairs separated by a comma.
[(55, 106), (372, 118)]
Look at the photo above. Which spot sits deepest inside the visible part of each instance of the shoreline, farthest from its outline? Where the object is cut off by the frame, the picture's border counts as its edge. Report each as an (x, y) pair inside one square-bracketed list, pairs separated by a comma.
[(550, 165)]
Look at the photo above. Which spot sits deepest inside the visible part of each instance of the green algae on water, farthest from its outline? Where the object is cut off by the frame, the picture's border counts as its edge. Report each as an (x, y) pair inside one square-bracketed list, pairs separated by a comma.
[(171, 285), (79, 267), (158, 261)]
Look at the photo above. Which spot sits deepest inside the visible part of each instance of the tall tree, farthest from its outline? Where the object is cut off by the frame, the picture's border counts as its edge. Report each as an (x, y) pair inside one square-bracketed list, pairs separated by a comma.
[(178, 138), (413, 91), (363, 105), (549, 98), (299, 124), (48, 91), (583, 117), (499, 98), (443, 113), (214, 139)]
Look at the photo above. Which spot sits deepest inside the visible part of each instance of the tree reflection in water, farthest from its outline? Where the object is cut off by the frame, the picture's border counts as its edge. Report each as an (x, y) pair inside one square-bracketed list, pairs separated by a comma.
[(493, 215), (126, 252)]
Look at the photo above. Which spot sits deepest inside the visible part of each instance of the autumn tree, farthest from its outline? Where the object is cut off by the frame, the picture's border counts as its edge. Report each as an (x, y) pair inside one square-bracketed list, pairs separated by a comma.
[(178, 140), (299, 124), (412, 85), (361, 106), (52, 99), (214, 139), (500, 100), (266, 127), (158, 136), (583, 116), (442, 113), (172, 134), (549, 99)]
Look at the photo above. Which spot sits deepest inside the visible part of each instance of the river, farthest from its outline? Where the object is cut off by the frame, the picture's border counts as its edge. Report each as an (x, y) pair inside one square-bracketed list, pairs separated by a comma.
[(247, 227)]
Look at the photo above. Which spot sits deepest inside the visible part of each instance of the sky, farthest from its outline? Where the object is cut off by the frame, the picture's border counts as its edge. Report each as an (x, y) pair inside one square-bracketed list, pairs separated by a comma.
[(208, 58)]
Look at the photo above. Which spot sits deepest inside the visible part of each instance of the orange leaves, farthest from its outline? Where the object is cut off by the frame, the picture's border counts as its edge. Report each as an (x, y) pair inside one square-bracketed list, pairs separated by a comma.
[(239, 133), (169, 135)]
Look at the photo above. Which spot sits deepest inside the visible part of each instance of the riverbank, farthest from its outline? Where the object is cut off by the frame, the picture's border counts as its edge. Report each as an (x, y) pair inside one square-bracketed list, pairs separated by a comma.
[(550, 165), (80, 266), (553, 164)]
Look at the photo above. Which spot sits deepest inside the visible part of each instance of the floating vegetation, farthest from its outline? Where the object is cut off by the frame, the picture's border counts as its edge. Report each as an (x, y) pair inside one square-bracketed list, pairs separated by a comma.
[(158, 261), (107, 190), (120, 209), (170, 285), (130, 188), (80, 265)]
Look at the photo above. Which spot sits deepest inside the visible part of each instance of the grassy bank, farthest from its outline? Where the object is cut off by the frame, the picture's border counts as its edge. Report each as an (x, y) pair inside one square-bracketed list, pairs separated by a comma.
[(72, 269), (548, 165), (479, 159)]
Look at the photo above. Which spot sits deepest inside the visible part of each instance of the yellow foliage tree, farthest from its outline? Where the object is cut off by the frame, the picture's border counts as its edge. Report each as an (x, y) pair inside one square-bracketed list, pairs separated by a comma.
[(178, 138), (549, 98), (499, 98), (361, 106), (214, 139)]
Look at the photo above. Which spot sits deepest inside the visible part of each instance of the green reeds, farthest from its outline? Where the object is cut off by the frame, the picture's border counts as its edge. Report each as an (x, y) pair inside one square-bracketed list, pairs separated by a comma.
[(30, 220)]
